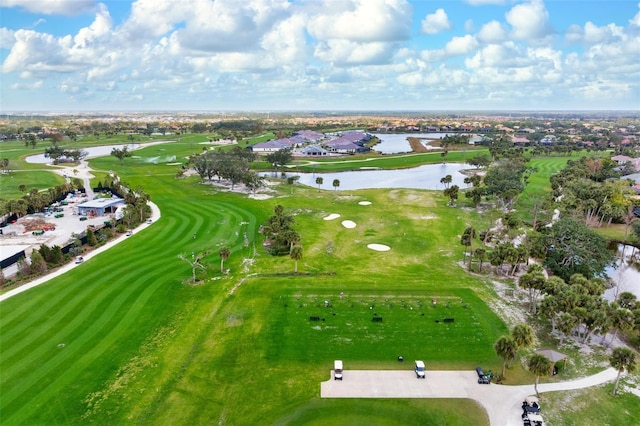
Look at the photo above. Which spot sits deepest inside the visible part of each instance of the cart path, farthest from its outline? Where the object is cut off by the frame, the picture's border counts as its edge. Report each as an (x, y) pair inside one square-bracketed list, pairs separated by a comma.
[(502, 403)]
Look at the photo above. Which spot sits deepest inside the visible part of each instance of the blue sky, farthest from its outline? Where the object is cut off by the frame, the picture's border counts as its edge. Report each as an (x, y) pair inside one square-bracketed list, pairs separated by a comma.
[(213, 55)]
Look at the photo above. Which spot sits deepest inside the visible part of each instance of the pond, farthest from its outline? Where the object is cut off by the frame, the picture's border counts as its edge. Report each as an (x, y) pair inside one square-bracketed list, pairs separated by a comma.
[(422, 177), (395, 143), (626, 275), (94, 151)]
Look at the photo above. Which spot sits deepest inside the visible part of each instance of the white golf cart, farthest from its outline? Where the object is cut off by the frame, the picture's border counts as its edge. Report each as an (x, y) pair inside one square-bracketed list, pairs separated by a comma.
[(337, 370), (420, 370)]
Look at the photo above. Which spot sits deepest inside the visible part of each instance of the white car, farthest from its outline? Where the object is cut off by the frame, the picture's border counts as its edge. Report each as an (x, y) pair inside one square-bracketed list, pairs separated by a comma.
[(79, 260)]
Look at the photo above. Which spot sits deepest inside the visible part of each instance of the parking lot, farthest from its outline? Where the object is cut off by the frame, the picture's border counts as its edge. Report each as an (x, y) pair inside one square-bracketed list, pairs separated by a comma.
[(502, 403)]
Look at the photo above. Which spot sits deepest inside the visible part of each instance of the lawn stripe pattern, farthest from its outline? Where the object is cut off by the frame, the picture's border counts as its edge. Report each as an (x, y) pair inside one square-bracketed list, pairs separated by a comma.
[(90, 310)]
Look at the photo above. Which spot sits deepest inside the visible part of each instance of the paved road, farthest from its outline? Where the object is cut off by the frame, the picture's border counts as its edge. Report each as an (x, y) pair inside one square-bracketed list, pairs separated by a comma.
[(503, 403)]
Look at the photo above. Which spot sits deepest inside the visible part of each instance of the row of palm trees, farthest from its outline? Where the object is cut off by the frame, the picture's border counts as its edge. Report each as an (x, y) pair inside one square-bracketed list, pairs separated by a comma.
[(320, 181)]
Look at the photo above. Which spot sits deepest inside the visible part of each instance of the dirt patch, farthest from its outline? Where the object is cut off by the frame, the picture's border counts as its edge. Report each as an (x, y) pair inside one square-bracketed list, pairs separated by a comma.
[(412, 197), (36, 224), (422, 217), (507, 305)]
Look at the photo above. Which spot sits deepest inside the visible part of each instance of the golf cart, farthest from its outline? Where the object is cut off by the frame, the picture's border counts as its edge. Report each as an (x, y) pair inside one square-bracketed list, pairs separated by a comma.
[(483, 379), (337, 370), (420, 370), (531, 404)]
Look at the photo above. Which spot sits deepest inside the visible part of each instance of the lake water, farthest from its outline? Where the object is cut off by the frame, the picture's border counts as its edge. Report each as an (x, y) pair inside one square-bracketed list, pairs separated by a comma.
[(626, 277), (95, 151), (423, 177), (395, 143)]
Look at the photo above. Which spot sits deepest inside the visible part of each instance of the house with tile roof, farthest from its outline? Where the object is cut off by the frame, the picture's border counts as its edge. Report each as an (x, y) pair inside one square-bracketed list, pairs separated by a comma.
[(273, 145)]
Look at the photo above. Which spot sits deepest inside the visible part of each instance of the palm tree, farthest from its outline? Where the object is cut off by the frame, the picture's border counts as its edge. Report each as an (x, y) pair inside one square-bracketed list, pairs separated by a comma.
[(507, 349), (319, 181), (540, 366), (622, 359), (296, 254), (467, 240), (291, 237), (336, 184), (446, 180), (523, 335), (481, 255), (224, 255), (565, 323)]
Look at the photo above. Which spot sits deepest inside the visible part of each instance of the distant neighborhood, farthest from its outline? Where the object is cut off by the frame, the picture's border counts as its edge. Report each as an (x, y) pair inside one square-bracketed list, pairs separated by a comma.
[(311, 143)]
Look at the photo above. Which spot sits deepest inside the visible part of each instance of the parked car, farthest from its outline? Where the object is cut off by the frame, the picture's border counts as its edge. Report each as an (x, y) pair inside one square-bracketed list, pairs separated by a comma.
[(420, 373), (337, 370)]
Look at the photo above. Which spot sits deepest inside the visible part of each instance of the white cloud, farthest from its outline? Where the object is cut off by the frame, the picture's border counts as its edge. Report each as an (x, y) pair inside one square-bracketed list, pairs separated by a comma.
[(227, 25), (593, 34), (361, 20), (492, 32), (455, 47), (530, 21), (40, 54), (99, 28), (461, 45), (53, 7), (7, 38), (153, 18), (504, 55), (436, 22), (345, 52), (28, 86)]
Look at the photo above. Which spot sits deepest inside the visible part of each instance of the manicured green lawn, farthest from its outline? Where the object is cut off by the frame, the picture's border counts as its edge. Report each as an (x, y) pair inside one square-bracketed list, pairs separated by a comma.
[(412, 326), (93, 344), (538, 187), (390, 412), (38, 179), (357, 162)]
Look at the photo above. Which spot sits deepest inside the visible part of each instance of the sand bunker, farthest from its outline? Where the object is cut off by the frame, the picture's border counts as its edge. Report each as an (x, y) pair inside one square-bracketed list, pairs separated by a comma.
[(378, 247), (332, 216), (348, 224), (365, 203)]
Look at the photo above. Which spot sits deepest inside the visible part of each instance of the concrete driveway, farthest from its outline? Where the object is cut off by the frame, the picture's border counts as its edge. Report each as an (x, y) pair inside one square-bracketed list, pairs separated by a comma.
[(503, 403)]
